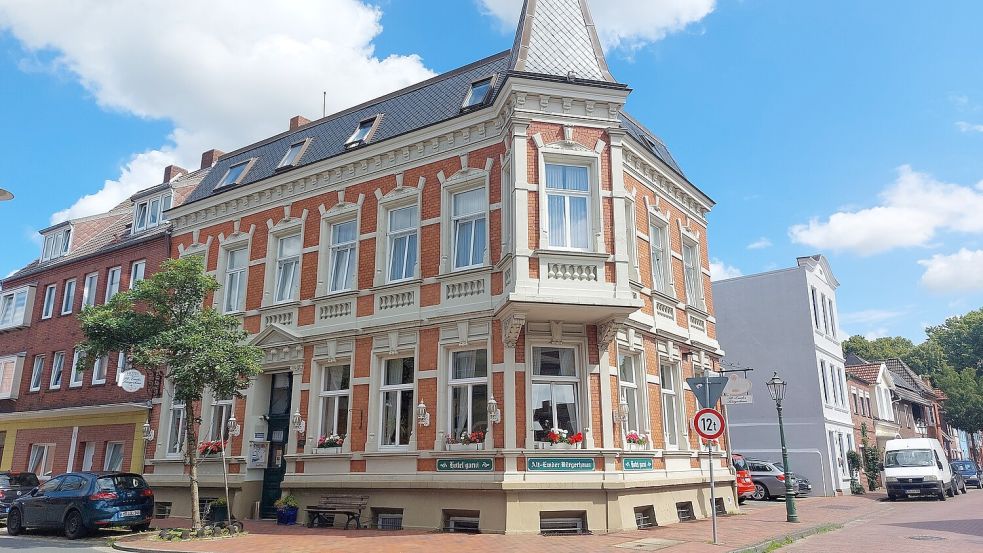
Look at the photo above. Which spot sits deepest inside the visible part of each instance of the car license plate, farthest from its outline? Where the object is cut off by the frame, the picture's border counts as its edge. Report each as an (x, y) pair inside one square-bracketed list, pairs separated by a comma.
[(912, 492), (126, 514)]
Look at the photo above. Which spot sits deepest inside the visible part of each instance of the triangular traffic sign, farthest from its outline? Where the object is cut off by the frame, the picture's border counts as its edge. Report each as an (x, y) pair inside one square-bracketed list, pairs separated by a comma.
[(707, 389)]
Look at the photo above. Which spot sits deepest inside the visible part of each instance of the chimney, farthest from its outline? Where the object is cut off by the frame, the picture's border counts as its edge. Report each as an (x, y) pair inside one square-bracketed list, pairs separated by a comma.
[(298, 121), (172, 172), (209, 158)]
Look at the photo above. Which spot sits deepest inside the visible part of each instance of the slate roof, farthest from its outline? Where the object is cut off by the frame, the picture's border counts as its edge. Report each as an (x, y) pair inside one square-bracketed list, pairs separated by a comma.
[(867, 372), (557, 37)]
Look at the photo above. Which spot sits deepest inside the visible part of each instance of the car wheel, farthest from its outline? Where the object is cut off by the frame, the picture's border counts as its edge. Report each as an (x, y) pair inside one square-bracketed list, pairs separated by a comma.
[(760, 493), (963, 489), (892, 497), (741, 500), (74, 527), (951, 492), (15, 525), (941, 495)]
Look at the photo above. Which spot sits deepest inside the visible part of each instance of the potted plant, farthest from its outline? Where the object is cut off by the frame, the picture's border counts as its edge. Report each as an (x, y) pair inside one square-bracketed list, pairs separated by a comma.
[(207, 449), (330, 444), (286, 510), (467, 441), (559, 438), (635, 441), (218, 510)]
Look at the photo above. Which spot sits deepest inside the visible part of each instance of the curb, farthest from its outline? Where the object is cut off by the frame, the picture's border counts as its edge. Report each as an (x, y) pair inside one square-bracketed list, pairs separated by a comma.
[(794, 536), (120, 545)]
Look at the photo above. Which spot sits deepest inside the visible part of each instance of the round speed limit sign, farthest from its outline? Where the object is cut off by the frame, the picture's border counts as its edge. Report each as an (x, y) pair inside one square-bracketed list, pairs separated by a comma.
[(709, 424)]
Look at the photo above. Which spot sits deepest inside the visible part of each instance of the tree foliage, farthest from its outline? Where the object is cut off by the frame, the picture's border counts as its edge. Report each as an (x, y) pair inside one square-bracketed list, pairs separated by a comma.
[(963, 407), (163, 328), (961, 340), (925, 358), (871, 459)]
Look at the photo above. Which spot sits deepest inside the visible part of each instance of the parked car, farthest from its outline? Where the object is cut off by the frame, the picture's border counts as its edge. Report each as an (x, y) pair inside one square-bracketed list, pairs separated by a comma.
[(769, 480), (805, 486), (969, 471), (745, 487), (958, 482), (915, 467), (80, 502), (14, 485)]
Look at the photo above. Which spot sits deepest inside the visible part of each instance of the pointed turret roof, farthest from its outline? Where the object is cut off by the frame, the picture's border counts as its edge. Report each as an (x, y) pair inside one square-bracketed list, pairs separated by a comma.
[(557, 37)]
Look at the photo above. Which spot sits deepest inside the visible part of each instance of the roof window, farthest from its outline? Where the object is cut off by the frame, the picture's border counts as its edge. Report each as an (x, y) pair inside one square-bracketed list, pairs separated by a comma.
[(479, 91), (56, 244), (235, 173), (293, 154), (149, 213), (362, 133)]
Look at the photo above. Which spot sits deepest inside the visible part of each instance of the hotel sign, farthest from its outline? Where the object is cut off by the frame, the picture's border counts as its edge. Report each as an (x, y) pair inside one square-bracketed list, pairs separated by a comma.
[(637, 463), (559, 464), (465, 465)]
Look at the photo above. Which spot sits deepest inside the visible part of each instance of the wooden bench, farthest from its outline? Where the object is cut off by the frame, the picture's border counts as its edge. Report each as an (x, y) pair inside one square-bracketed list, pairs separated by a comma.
[(324, 512)]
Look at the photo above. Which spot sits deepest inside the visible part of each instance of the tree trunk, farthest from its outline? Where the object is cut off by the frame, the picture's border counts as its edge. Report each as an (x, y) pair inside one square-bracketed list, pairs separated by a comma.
[(972, 448), (191, 457)]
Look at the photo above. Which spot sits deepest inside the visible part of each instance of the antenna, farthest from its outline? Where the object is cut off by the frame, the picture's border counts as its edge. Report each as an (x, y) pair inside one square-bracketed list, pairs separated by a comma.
[(324, 104)]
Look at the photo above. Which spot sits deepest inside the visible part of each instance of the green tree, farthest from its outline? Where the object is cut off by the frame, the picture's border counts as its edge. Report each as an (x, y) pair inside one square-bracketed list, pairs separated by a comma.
[(162, 327), (871, 460), (963, 407), (961, 339), (881, 348), (927, 357)]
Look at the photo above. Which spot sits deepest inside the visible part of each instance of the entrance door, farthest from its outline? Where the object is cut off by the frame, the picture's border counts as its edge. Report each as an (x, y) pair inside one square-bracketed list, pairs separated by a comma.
[(279, 429)]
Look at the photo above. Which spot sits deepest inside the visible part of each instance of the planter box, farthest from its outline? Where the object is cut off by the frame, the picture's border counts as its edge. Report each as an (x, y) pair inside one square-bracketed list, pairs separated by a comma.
[(327, 450), (636, 447), (464, 447), (561, 445)]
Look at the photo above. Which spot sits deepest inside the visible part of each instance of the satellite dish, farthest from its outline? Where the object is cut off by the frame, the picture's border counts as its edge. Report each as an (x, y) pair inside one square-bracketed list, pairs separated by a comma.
[(4, 195)]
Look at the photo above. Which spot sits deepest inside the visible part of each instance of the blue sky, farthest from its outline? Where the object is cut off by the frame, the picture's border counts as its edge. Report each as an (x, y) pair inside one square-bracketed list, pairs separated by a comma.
[(851, 129)]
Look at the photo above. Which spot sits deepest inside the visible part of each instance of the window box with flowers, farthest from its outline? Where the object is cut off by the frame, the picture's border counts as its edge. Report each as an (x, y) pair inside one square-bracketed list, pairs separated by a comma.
[(210, 448), (635, 441), (558, 438), (329, 444), (466, 442)]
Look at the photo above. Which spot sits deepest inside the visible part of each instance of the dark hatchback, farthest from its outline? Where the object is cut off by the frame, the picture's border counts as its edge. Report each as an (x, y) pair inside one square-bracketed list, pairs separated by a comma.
[(14, 485), (969, 471), (80, 502)]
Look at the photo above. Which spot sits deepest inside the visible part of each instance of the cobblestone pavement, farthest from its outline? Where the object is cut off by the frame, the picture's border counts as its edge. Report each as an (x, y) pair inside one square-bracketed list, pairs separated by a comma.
[(760, 522), (915, 525)]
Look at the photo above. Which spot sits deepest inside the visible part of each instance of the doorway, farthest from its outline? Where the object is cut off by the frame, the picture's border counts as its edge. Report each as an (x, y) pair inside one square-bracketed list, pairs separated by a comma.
[(278, 427)]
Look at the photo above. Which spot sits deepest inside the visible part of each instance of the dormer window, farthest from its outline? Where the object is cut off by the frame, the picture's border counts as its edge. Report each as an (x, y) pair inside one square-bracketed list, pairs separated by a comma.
[(56, 244), (235, 173), (479, 91), (293, 154), (362, 133), (150, 212)]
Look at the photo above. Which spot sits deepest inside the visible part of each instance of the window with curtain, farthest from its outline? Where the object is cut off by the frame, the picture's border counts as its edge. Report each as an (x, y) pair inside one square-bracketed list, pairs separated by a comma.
[(659, 244), (403, 225), (221, 413), (555, 391), (41, 459), (468, 393), (470, 228), (568, 206), (176, 429), (57, 366), (114, 456), (8, 366), (694, 277), (671, 412), (236, 265), (335, 394), (99, 370), (398, 410), (628, 391), (287, 268), (343, 238)]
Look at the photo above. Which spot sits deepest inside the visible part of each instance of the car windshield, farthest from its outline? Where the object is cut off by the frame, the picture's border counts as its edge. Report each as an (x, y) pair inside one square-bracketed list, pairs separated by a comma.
[(739, 463), (909, 458), (121, 482), (22, 480), (964, 466)]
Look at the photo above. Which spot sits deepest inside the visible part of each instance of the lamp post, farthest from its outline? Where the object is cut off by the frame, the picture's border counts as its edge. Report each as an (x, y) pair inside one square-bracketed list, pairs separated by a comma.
[(776, 387)]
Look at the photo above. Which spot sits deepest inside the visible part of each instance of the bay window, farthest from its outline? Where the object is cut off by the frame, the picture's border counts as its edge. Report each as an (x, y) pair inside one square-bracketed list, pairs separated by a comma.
[(468, 393), (236, 265), (671, 414), (470, 228), (403, 225), (555, 391), (659, 246), (12, 307), (343, 239), (568, 206), (335, 398), (694, 276), (288, 268), (398, 410), (629, 393)]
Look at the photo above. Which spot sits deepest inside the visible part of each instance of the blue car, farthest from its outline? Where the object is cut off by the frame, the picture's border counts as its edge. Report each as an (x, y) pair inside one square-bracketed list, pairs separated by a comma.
[(80, 502), (969, 471)]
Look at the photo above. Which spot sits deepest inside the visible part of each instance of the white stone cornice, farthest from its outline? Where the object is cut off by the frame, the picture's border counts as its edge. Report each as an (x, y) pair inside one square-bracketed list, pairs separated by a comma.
[(683, 195)]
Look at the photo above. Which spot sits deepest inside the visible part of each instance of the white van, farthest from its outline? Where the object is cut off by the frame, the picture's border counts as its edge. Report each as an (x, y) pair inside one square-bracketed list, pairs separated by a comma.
[(917, 467)]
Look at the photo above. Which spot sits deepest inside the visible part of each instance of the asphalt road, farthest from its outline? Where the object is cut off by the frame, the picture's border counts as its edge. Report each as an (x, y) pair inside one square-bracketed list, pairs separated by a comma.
[(54, 542)]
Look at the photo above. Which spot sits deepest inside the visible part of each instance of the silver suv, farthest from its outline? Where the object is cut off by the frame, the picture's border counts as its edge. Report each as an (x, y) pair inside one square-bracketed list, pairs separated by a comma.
[(769, 480)]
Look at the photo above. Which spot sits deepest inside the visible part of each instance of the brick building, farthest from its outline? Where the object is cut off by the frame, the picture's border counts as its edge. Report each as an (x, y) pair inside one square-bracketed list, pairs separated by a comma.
[(55, 418), (498, 251)]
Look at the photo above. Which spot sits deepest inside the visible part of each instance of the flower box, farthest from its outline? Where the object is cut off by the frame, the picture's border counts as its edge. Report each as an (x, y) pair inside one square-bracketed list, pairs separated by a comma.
[(560, 445), (327, 450), (636, 447), (464, 447)]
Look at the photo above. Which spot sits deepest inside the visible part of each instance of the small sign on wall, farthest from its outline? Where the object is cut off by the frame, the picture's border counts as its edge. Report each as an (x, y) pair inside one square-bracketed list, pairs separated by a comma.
[(259, 454)]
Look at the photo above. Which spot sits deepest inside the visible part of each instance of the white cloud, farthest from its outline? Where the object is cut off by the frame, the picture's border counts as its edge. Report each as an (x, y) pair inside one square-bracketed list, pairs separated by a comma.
[(912, 210), (225, 72), (759, 244), (968, 127), (958, 272), (621, 23), (720, 270), (869, 316)]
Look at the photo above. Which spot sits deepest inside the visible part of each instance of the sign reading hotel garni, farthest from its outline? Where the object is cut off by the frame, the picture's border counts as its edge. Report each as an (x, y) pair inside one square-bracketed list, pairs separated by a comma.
[(637, 463), (559, 464), (466, 464)]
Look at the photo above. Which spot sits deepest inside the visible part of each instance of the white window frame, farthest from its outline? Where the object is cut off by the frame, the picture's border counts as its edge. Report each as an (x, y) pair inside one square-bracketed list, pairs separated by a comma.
[(138, 271), (88, 454), (637, 388), (815, 306), (100, 366), (220, 414), (825, 314), (77, 377), (457, 220), (240, 274), (10, 363), (68, 298), (567, 194), (825, 381), (287, 161), (89, 287), (676, 393), (9, 315), (358, 138), (112, 285), (393, 235), (46, 461), (56, 244), (121, 366), (467, 384), (37, 372), (832, 318), (330, 399), (106, 458), (293, 294), (576, 380), (631, 238), (152, 210), (57, 361), (334, 250), (699, 302), (469, 99), (659, 231), (398, 389), (178, 410), (246, 166), (48, 309)]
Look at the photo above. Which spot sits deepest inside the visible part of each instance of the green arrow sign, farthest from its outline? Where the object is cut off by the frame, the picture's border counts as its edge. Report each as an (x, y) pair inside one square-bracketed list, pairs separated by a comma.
[(465, 464), (559, 464), (637, 463)]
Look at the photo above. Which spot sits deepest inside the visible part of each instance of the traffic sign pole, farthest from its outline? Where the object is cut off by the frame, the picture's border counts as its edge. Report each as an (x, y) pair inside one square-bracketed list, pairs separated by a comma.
[(713, 486)]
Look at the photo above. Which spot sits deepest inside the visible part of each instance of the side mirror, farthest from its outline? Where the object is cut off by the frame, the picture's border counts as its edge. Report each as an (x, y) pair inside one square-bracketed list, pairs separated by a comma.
[(34, 492), (939, 463)]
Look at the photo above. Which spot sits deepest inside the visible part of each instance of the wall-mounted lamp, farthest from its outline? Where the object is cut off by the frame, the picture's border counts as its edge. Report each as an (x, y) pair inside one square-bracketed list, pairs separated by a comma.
[(623, 411), (422, 416), (494, 413), (233, 426), (300, 425), (148, 433)]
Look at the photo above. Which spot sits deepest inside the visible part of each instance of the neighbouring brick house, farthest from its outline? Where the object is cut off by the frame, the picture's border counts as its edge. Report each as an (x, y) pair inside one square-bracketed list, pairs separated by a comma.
[(499, 250), (55, 418)]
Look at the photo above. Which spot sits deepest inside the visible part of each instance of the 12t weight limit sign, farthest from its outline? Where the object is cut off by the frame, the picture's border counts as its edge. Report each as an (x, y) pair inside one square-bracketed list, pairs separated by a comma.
[(709, 424)]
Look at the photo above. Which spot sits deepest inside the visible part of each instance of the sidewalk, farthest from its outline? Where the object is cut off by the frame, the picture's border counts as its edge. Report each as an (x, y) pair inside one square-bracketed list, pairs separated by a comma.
[(760, 522)]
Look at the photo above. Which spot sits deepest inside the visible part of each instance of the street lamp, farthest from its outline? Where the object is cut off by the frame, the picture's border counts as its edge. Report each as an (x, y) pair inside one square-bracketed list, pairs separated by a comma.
[(776, 387)]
